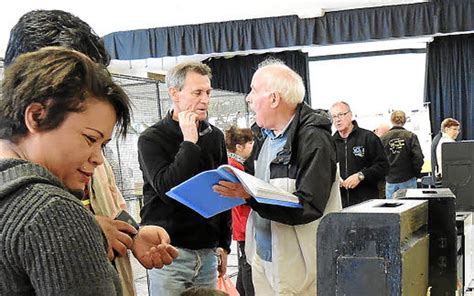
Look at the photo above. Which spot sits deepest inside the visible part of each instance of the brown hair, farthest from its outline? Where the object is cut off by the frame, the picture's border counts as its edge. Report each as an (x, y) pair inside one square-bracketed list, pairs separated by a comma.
[(398, 118), (235, 135), (61, 80), (449, 122)]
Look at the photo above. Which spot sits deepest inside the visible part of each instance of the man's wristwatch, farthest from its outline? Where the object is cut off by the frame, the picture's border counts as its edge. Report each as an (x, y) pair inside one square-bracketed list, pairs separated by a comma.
[(361, 176)]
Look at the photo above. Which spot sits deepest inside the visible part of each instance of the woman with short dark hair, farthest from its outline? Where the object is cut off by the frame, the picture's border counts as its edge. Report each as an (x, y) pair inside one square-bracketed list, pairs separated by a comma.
[(58, 110)]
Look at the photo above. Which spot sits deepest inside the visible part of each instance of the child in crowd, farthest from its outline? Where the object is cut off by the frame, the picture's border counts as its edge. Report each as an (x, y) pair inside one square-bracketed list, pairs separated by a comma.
[(239, 144)]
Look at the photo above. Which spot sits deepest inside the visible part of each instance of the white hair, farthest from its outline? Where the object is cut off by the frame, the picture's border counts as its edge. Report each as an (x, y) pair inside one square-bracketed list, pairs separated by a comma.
[(282, 79)]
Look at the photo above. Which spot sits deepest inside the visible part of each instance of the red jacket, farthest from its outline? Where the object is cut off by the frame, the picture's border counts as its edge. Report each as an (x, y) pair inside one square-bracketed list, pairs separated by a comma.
[(239, 213)]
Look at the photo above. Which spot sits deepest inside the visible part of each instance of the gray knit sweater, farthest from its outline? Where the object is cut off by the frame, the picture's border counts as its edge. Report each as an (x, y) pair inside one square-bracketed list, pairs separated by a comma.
[(49, 243)]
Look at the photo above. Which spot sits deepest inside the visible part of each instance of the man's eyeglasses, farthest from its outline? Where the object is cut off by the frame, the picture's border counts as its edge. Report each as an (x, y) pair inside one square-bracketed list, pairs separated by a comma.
[(340, 115)]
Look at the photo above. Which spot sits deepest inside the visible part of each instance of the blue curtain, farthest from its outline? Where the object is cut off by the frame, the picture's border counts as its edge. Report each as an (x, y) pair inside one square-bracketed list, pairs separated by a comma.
[(356, 25), (450, 82), (235, 74)]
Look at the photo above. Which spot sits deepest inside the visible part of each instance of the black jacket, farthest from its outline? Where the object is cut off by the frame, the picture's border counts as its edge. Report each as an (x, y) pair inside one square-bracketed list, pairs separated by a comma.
[(309, 159), (434, 159), (361, 151), (166, 161), (404, 154)]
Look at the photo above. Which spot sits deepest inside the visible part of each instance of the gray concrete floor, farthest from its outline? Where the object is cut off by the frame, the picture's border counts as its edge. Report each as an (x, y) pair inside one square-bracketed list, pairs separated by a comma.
[(139, 272), (140, 275)]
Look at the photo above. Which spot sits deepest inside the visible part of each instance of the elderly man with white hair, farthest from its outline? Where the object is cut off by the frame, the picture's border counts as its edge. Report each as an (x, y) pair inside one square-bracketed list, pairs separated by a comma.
[(293, 150)]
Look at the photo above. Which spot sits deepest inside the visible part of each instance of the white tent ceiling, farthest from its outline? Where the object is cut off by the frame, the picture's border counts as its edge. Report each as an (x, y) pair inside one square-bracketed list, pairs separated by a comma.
[(110, 16)]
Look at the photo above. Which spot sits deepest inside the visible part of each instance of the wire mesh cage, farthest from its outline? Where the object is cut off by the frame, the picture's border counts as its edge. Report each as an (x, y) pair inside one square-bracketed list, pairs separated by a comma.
[(150, 103)]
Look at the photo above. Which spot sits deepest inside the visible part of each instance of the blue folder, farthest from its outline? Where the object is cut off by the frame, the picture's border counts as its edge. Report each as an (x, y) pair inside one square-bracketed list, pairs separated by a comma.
[(197, 194)]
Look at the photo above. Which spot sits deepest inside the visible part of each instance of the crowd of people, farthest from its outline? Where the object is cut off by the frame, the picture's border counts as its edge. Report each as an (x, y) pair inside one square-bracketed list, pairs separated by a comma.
[(64, 226)]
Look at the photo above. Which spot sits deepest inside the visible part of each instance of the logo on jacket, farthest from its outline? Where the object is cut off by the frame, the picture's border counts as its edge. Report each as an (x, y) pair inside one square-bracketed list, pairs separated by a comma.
[(396, 145), (358, 151)]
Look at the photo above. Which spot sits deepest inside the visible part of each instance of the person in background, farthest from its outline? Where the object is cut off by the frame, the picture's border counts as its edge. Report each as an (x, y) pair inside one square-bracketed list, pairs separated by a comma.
[(361, 157), (434, 161), (57, 110), (450, 129), (404, 155), (171, 151), (293, 150), (239, 144), (381, 129), (40, 28)]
